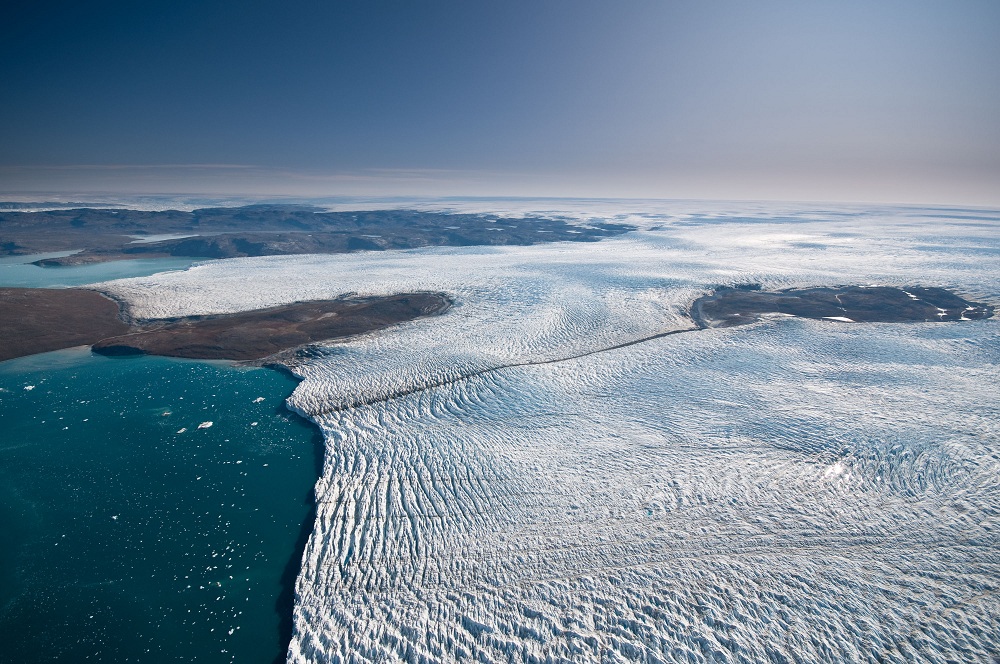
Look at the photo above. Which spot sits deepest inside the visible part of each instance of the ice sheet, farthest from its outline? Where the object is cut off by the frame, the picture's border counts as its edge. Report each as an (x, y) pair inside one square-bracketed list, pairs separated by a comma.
[(789, 490)]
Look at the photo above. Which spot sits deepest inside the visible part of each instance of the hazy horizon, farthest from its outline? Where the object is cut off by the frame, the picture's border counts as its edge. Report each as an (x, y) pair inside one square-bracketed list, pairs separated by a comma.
[(890, 103)]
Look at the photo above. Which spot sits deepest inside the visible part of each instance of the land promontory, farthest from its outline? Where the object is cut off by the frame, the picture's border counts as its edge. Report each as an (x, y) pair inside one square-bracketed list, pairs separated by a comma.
[(37, 320), (98, 234)]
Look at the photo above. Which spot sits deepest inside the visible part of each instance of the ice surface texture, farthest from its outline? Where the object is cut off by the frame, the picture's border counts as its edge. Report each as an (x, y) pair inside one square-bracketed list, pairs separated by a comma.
[(787, 491)]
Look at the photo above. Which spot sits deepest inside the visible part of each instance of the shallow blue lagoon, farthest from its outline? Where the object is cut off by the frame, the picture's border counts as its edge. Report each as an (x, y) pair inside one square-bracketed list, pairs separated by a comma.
[(17, 271), (131, 534)]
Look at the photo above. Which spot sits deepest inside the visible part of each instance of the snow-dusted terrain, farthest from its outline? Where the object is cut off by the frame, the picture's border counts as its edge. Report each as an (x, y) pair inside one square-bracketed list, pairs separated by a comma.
[(788, 491)]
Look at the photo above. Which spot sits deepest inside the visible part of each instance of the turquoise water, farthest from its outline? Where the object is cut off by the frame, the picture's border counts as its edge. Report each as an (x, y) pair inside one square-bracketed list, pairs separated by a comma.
[(131, 534), (17, 271)]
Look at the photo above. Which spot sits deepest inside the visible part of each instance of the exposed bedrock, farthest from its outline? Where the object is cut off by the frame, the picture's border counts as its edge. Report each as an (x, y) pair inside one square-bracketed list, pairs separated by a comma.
[(254, 335), (727, 307), (268, 230), (38, 320)]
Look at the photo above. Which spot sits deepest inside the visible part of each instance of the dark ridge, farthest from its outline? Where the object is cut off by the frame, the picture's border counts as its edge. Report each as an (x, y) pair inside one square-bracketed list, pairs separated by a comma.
[(265, 230), (730, 306), (9, 205)]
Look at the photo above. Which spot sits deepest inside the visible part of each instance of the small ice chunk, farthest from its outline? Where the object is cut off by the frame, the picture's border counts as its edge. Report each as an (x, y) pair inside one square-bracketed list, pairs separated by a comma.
[(253, 424), (205, 425), (840, 319), (258, 399), (182, 430), (28, 388)]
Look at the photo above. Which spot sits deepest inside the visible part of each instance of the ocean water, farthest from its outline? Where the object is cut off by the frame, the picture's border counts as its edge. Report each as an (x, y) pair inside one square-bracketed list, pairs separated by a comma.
[(131, 534), (17, 271), (500, 485)]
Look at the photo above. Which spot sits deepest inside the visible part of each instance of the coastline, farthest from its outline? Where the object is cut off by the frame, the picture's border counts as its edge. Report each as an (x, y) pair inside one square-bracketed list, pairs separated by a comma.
[(285, 603), (37, 320)]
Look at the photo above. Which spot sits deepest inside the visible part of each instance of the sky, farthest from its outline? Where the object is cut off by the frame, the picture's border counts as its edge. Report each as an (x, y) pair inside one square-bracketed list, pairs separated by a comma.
[(889, 101)]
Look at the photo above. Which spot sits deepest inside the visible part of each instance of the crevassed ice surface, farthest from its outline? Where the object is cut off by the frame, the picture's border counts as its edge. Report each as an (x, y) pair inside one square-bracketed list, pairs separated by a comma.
[(502, 484)]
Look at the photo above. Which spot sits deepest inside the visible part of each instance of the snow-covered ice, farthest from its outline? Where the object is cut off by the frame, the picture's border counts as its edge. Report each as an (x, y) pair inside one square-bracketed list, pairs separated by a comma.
[(498, 488)]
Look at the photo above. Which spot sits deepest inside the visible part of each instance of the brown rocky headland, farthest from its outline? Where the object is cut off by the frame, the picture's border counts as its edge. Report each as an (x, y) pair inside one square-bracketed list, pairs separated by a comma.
[(254, 335), (36, 320)]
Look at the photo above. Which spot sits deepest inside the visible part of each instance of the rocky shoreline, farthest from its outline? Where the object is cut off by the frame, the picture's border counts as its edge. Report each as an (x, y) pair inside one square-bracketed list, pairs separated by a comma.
[(37, 320)]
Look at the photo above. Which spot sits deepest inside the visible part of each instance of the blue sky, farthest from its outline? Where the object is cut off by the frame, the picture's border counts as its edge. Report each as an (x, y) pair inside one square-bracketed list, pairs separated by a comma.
[(885, 101)]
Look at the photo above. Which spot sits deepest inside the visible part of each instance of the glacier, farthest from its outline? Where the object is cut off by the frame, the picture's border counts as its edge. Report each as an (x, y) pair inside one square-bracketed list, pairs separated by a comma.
[(510, 482)]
